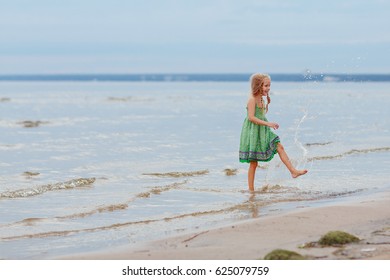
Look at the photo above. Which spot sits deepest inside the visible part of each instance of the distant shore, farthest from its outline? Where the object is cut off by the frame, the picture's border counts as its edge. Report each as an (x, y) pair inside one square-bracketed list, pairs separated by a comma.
[(367, 218), (196, 77)]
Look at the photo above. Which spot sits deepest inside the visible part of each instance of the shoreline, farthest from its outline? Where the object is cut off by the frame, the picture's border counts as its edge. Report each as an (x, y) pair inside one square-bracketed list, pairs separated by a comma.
[(367, 217)]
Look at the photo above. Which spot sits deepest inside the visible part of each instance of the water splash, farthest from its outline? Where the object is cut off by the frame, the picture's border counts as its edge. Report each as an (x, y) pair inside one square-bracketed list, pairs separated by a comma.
[(296, 138)]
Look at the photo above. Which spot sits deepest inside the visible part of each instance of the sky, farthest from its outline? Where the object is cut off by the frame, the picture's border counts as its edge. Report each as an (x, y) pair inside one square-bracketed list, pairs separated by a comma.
[(194, 36)]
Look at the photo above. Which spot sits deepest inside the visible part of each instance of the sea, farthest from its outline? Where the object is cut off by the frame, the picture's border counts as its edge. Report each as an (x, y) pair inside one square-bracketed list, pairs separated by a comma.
[(98, 162)]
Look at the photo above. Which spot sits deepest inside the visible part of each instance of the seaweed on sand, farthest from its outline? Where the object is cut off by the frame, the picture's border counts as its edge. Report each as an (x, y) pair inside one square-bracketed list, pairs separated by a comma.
[(280, 254)]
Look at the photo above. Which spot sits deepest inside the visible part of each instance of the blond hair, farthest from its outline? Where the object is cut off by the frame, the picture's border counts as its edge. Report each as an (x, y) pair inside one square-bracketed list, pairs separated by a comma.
[(257, 82)]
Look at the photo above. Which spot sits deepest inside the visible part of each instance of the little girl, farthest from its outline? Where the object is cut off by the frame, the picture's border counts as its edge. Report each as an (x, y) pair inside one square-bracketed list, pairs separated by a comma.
[(258, 142)]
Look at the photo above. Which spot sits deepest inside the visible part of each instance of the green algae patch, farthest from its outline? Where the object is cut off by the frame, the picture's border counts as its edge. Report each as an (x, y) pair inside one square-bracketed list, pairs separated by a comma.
[(280, 254), (30, 174), (230, 171), (30, 124), (334, 238)]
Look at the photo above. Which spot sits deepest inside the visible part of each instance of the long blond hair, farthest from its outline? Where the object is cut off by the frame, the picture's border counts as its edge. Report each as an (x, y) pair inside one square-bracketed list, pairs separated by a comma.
[(257, 82)]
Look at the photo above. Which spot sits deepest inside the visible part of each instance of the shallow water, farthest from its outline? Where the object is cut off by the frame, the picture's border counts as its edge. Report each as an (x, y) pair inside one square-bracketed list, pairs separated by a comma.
[(90, 165)]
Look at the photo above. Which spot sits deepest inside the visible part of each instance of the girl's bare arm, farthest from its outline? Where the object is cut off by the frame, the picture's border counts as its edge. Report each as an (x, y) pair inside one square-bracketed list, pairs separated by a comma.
[(252, 117)]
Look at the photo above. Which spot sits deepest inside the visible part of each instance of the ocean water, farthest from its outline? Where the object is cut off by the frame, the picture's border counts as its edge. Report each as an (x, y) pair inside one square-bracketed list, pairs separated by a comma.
[(87, 166)]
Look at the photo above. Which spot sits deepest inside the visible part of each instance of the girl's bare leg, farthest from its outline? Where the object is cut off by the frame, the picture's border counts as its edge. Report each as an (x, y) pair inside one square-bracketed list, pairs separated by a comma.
[(284, 158), (251, 175)]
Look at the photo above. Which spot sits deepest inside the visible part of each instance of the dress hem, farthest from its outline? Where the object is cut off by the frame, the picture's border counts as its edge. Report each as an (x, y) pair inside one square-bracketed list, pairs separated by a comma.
[(248, 159)]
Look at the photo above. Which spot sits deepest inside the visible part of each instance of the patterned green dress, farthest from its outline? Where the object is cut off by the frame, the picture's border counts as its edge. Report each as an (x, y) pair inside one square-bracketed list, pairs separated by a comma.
[(257, 142)]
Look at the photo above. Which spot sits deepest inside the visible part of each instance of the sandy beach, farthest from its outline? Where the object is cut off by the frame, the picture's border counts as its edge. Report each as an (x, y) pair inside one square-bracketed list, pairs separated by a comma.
[(367, 218)]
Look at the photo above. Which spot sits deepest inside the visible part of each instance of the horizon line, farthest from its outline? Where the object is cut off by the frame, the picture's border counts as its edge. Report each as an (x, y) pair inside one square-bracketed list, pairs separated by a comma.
[(198, 77)]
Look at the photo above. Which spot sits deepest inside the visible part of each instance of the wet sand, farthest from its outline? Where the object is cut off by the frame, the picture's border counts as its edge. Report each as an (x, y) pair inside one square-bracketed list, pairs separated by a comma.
[(367, 218)]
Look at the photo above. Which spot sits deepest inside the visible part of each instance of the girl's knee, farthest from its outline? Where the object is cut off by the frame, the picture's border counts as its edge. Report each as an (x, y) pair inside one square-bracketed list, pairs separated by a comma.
[(253, 163)]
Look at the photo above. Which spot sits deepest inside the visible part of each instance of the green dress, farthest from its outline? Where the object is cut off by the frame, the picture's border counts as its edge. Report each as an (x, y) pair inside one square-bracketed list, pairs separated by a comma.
[(257, 142)]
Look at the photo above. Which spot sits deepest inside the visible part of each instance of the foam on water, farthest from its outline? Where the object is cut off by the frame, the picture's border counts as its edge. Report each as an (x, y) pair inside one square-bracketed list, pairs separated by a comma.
[(75, 183)]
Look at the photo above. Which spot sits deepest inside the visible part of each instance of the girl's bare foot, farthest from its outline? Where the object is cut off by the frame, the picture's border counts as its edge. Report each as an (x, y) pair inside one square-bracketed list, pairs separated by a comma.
[(297, 173)]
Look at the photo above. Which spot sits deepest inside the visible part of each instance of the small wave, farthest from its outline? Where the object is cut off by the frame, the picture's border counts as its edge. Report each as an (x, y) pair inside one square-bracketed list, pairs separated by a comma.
[(30, 174), (111, 226), (345, 193), (179, 174), (101, 209), (120, 99), (75, 183), (30, 221), (104, 208), (245, 206), (275, 189), (318, 144), (159, 190), (129, 98), (124, 205), (30, 124), (250, 206), (351, 152)]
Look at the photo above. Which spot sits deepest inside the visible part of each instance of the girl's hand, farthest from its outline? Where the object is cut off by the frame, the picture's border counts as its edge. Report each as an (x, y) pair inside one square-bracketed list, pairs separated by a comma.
[(273, 125)]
